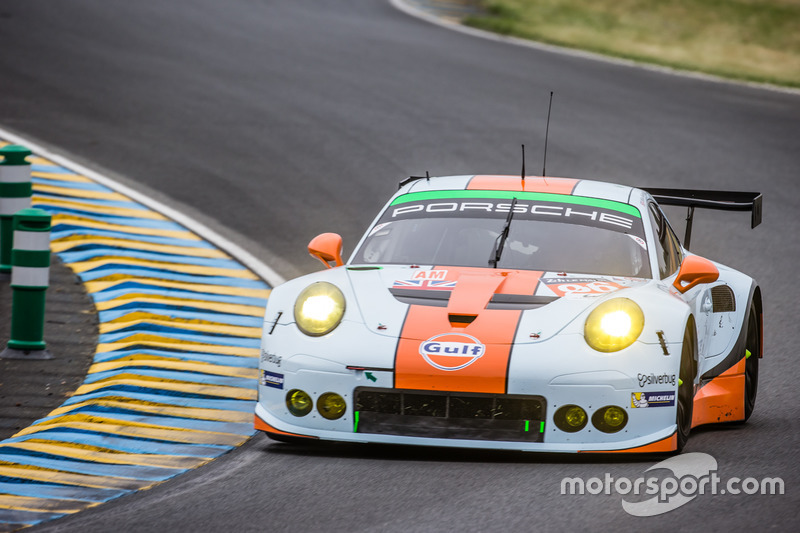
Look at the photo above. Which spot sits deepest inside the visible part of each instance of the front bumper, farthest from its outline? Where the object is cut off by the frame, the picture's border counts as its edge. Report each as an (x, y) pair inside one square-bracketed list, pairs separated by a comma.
[(431, 418)]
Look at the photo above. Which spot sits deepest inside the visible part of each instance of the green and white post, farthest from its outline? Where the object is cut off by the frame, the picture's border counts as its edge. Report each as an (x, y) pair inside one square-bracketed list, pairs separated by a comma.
[(30, 277), (15, 194)]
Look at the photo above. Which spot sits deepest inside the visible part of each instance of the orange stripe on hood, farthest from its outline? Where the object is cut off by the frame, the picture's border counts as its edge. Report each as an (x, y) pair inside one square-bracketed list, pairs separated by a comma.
[(433, 354), (530, 184)]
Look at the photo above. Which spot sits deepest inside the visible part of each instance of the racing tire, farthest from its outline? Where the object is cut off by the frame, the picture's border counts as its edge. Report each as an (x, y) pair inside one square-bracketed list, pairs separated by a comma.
[(686, 386), (752, 345)]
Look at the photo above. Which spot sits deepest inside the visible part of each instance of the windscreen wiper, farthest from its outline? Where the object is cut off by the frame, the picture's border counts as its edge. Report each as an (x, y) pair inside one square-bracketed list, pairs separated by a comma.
[(497, 251)]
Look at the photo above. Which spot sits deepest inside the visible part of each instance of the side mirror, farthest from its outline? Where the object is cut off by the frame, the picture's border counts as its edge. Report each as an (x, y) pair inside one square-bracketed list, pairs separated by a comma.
[(694, 271), (327, 247)]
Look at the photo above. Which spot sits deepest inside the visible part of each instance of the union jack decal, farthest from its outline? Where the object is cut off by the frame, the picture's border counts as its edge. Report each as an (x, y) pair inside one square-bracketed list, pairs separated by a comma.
[(424, 284)]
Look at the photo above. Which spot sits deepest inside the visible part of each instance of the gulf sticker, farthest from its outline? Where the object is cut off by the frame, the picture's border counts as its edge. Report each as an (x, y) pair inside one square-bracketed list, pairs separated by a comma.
[(580, 286)]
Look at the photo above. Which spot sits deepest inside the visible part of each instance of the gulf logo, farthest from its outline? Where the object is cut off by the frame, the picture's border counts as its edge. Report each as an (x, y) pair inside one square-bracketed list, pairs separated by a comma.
[(451, 351)]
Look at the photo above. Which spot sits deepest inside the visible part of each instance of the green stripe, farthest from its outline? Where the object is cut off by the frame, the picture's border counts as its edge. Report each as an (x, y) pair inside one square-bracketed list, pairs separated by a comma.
[(31, 258), (508, 195), (541, 427), (355, 423), (527, 425), (18, 189)]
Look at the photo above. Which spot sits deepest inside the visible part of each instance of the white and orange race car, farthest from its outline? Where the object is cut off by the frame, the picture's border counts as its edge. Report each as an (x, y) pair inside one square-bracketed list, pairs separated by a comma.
[(501, 312)]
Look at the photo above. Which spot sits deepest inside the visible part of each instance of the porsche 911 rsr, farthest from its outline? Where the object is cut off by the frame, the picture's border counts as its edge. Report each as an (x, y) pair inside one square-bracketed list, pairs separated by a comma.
[(539, 314)]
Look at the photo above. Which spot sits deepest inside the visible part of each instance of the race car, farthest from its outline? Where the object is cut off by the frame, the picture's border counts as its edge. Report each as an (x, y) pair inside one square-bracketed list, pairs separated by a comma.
[(514, 313)]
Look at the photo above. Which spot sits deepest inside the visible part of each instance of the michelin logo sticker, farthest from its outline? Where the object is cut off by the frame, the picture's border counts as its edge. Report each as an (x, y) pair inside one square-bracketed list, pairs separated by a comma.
[(652, 399), (271, 379)]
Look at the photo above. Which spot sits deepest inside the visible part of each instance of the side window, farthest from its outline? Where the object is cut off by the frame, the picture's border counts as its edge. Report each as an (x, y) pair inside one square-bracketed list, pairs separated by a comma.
[(668, 250), (675, 244)]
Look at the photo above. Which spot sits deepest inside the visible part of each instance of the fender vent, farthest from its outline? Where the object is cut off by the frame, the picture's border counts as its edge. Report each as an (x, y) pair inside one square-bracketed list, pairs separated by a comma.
[(723, 299)]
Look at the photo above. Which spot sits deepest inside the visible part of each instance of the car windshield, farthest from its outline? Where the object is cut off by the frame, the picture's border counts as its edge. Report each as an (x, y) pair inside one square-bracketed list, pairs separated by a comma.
[(558, 233)]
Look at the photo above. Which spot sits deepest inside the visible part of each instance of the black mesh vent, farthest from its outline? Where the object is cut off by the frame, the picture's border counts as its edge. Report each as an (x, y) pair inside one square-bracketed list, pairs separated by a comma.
[(723, 299), (453, 415)]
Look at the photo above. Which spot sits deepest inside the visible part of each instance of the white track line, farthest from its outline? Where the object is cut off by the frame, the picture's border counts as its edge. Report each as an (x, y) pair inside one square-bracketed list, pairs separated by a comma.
[(403, 6), (237, 252)]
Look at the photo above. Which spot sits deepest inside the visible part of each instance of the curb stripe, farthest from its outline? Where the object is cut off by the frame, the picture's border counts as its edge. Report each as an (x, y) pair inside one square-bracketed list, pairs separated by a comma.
[(173, 383), (164, 355)]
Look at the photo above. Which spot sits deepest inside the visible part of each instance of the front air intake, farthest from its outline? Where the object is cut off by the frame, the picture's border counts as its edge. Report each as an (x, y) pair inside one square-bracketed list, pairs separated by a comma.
[(450, 415)]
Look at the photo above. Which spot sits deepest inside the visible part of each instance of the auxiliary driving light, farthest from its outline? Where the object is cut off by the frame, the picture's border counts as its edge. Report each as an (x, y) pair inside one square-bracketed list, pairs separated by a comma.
[(610, 419), (319, 309), (298, 402), (570, 418), (331, 406), (613, 325)]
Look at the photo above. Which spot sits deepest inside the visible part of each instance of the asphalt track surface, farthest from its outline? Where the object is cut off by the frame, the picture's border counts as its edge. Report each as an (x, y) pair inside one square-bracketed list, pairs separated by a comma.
[(277, 120)]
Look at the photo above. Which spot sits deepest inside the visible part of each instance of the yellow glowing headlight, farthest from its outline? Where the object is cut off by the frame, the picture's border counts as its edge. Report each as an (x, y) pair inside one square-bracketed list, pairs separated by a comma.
[(331, 406), (614, 325), (614, 416), (319, 309), (299, 402)]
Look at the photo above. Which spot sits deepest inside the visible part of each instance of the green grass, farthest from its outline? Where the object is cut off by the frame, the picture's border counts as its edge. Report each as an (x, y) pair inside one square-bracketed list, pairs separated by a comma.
[(755, 40)]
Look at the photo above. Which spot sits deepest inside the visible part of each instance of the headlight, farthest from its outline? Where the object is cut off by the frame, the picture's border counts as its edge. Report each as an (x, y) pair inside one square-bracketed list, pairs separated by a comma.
[(610, 419), (570, 418), (614, 325), (319, 309), (298, 402), (331, 406)]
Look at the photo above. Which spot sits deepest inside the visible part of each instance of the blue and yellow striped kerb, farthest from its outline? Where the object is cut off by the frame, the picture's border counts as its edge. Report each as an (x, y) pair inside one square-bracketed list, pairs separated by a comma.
[(173, 384)]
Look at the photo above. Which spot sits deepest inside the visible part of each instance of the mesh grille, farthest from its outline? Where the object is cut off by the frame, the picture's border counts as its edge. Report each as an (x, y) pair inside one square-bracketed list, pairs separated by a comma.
[(723, 299), (453, 415)]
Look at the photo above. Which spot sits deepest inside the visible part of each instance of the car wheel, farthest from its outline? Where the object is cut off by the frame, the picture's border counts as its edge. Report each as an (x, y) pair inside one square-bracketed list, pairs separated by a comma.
[(686, 386), (752, 345)]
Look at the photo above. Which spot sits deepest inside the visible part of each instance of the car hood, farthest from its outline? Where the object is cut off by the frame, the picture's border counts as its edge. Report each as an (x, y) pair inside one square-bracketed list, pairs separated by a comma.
[(420, 302)]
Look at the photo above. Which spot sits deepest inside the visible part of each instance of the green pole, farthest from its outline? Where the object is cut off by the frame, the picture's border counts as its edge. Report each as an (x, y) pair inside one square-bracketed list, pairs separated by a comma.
[(30, 277), (15, 194)]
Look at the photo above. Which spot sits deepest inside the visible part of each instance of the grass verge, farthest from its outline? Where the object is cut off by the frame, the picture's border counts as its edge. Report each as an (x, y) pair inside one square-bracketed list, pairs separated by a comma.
[(753, 40)]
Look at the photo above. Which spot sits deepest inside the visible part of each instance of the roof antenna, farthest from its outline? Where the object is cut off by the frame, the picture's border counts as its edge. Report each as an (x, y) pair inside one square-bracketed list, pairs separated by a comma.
[(546, 134), (427, 175), (523, 162)]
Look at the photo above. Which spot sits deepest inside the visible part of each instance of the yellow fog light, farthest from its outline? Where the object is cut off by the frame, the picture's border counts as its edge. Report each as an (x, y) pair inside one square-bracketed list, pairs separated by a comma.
[(610, 419), (570, 418), (614, 325), (319, 309), (298, 402), (331, 406)]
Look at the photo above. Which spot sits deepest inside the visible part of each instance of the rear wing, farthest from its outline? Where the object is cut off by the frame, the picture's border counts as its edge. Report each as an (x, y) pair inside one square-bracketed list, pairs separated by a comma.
[(722, 200)]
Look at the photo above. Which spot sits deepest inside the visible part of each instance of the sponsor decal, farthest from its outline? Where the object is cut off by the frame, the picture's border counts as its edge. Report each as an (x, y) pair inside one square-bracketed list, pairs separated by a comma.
[(639, 241), (653, 399), (271, 379), (652, 379), (267, 357), (451, 351), (578, 214), (377, 228), (581, 286)]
